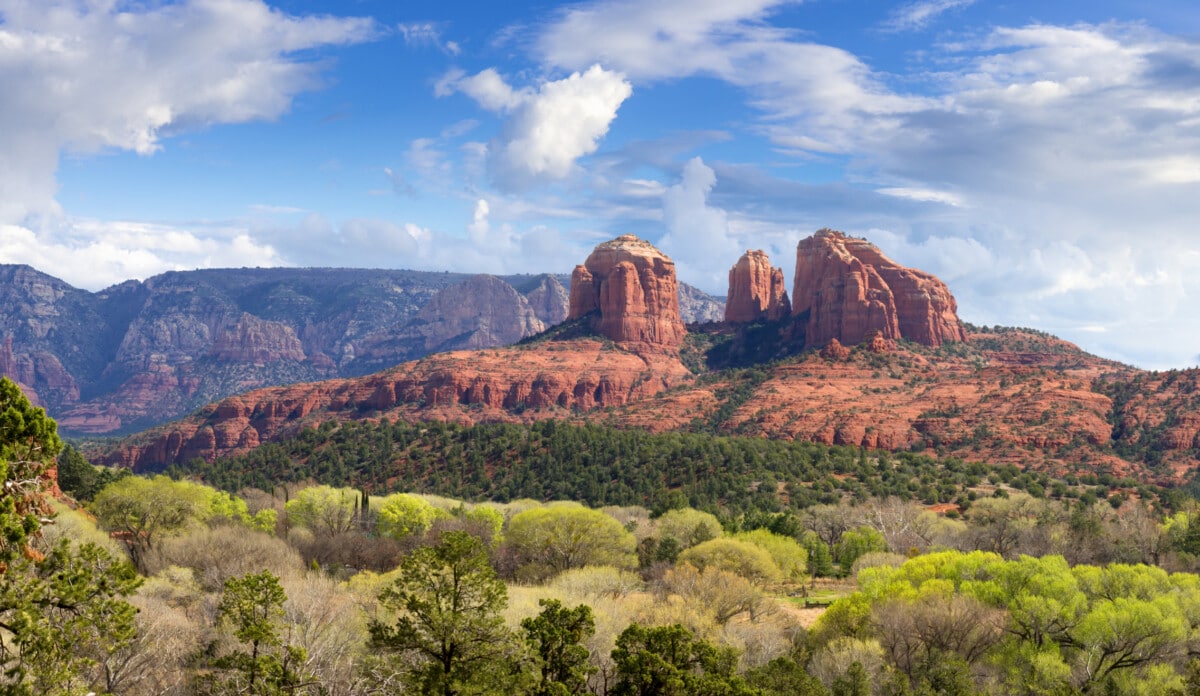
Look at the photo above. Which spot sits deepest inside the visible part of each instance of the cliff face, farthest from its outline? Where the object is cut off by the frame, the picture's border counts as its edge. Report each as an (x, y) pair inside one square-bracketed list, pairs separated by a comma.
[(755, 290), (845, 288), (633, 287), (482, 312)]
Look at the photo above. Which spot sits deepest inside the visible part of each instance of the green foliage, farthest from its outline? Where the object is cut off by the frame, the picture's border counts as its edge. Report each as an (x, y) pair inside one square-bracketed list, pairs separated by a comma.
[(856, 543), (736, 556), (672, 661), (1084, 627), (820, 558), (556, 638), (144, 510), (784, 677), (62, 613), (787, 553), (325, 510), (60, 608), (549, 540), (28, 444), (448, 602), (593, 464), (79, 478), (252, 608), (402, 515), (688, 527)]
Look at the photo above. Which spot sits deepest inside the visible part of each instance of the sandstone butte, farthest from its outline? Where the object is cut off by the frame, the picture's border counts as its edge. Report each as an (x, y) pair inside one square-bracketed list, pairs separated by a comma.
[(1010, 395), (756, 290), (845, 288), (631, 287)]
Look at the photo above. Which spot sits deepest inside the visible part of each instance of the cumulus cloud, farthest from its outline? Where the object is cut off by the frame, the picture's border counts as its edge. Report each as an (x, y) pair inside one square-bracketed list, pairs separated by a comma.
[(479, 226), (113, 75), (698, 235), (549, 128)]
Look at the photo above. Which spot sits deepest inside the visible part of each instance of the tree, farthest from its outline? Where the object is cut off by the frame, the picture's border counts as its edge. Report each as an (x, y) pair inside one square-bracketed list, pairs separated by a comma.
[(77, 476), (448, 601), (719, 591), (60, 608), (855, 543), (145, 510), (736, 556), (549, 540), (671, 661), (252, 607), (688, 527), (556, 637), (787, 553), (402, 515), (326, 511)]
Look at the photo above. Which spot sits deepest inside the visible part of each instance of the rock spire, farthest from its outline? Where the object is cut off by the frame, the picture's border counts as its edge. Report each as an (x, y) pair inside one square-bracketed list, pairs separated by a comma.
[(756, 290)]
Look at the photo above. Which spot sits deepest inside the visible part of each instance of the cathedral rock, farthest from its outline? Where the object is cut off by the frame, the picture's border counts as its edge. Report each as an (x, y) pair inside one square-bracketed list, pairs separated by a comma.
[(632, 287), (845, 288), (756, 291)]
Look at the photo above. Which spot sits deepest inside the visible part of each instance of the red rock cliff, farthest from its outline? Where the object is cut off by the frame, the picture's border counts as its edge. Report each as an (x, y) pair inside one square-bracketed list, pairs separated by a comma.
[(845, 288), (756, 290), (633, 286)]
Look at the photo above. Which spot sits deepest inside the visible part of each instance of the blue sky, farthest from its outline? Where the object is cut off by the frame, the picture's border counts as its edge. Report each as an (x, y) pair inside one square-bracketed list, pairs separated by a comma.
[(1043, 158)]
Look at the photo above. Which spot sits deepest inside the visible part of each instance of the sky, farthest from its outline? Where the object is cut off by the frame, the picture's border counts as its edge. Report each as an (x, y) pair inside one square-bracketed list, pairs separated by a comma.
[(1042, 158)]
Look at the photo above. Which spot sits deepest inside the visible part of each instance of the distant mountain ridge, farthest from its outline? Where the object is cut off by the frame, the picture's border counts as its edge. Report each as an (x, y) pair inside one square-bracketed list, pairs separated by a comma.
[(872, 355), (141, 353)]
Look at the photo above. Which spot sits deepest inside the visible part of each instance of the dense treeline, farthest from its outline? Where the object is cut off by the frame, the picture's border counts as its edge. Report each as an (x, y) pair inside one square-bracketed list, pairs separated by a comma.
[(598, 465)]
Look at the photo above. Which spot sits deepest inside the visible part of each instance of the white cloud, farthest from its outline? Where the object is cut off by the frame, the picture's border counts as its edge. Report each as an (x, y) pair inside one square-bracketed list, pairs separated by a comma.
[(426, 34), (698, 235), (92, 254), (929, 195), (117, 75), (918, 15), (478, 228), (550, 127), (491, 91)]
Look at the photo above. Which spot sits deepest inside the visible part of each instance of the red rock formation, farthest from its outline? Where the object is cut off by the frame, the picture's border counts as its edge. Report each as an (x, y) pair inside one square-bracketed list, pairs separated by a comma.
[(259, 341), (633, 286), (756, 290), (835, 351), (545, 380), (846, 288)]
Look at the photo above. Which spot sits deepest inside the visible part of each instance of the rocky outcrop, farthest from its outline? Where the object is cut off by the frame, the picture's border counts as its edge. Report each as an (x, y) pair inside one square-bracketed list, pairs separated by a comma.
[(550, 301), (481, 312), (845, 288), (698, 307), (756, 290), (545, 380), (258, 341), (631, 286)]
